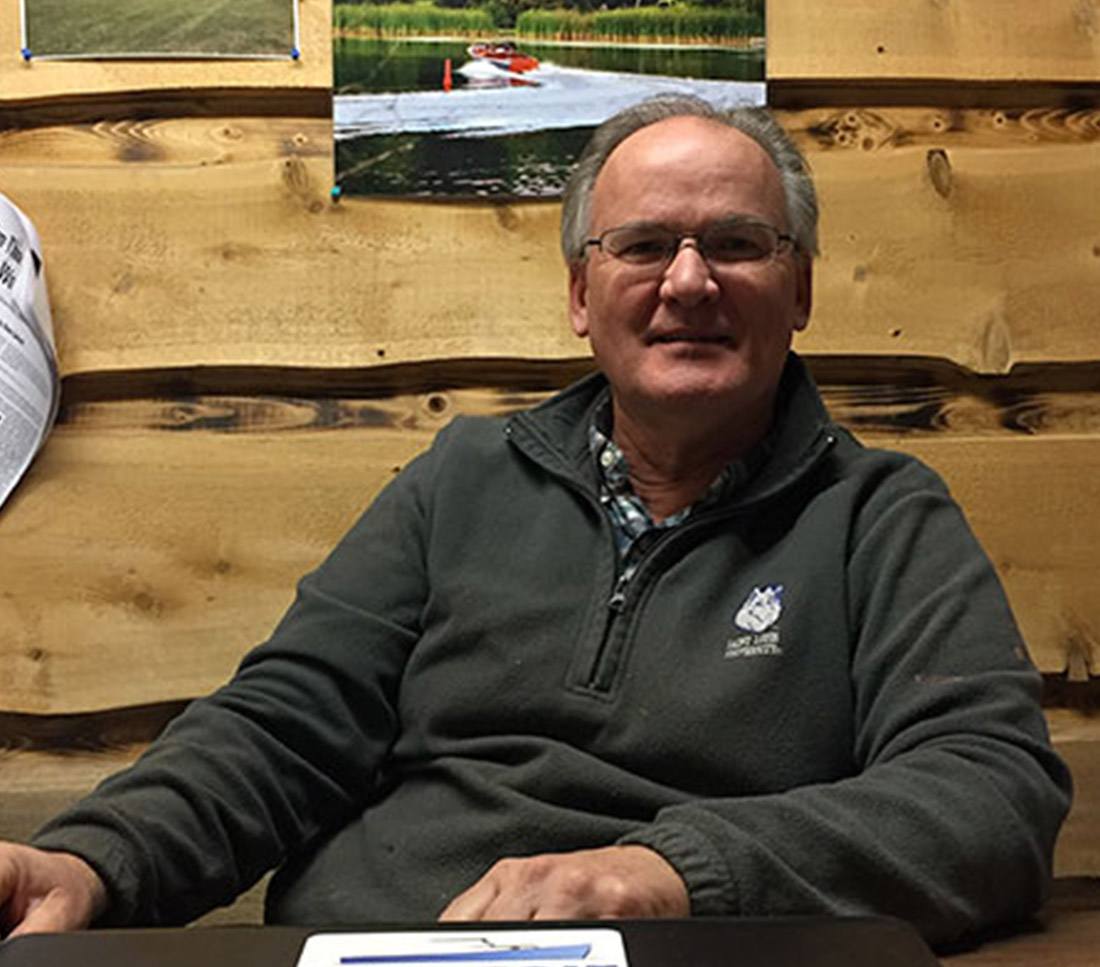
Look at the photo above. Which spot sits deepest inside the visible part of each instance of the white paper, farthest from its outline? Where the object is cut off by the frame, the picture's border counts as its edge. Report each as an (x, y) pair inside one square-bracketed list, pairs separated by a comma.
[(29, 385), (593, 947)]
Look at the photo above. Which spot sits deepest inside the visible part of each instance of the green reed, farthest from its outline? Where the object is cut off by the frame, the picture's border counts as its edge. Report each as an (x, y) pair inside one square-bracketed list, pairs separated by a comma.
[(673, 23), (410, 19)]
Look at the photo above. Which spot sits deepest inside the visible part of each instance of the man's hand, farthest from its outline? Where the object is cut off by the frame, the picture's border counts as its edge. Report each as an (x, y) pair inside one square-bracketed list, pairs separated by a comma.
[(615, 881), (43, 892)]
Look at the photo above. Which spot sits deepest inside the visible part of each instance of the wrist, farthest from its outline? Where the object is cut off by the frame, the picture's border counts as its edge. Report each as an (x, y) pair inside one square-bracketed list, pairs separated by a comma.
[(89, 884)]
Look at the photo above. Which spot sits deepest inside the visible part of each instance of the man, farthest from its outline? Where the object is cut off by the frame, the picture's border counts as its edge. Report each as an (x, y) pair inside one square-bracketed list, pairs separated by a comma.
[(670, 643)]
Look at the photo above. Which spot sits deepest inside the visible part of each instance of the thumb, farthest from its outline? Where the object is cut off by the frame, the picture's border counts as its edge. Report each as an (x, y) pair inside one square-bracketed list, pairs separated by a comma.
[(56, 912)]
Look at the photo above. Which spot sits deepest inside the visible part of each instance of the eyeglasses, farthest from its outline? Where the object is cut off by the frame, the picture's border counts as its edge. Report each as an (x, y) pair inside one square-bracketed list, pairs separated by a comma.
[(723, 243)]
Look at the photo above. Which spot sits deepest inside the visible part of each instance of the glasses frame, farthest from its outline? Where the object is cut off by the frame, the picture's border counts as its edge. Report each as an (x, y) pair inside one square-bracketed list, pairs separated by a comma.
[(784, 242)]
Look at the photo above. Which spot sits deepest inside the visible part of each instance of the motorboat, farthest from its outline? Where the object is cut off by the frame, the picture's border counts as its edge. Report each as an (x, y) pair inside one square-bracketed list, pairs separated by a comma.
[(503, 54)]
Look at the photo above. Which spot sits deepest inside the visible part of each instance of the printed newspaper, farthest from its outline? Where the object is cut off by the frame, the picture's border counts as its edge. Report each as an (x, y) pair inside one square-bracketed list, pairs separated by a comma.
[(30, 388)]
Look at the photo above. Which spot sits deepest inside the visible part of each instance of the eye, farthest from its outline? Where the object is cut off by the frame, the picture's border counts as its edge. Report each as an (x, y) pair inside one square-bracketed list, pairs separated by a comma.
[(637, 245), (738, 243)]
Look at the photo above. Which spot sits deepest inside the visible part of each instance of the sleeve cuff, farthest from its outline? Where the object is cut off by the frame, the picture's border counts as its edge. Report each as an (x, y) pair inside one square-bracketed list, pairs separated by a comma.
[(709, 884), (103, 852)]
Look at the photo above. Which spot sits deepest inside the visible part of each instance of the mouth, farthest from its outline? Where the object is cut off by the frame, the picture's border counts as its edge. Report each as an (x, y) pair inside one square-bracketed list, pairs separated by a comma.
[(690, 338)]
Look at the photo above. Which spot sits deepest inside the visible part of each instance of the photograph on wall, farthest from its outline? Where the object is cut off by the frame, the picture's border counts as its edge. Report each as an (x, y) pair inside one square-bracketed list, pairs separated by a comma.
[(496, 98), (93, 29)]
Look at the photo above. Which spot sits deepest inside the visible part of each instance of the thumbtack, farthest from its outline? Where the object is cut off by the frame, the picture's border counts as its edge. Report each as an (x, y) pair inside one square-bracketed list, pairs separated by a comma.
[(295, 53), (26, 52)]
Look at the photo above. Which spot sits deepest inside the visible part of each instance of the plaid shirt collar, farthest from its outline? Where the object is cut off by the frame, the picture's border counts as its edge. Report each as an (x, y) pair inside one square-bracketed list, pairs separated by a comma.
[(631, 522)]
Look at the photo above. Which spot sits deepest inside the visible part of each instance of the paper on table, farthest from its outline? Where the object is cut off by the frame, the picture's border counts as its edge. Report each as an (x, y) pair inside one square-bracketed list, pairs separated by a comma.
[(594, 947), (30, 389)]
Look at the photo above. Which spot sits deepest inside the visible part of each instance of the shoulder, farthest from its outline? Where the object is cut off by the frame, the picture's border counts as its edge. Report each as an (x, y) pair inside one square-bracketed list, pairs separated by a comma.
[(471, 453), (879, 471), (469, 438), (887, 492)]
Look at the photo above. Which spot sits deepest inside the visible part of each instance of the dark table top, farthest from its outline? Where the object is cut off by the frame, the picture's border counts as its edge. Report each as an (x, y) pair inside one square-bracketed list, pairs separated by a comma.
[(706, 942)]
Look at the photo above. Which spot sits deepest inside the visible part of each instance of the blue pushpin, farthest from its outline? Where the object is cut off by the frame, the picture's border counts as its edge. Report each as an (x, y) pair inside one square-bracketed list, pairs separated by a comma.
[(295, 53), (336, 192), (26, 52)]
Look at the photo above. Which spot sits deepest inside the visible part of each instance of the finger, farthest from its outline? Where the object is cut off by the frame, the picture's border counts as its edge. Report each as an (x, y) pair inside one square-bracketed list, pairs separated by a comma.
[(11, 909), (472, 903), (511, 904), (52, 914), (568, 897)]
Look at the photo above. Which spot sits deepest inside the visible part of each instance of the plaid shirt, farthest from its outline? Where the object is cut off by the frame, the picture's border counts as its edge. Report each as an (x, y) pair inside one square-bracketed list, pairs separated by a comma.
[(634, 528)]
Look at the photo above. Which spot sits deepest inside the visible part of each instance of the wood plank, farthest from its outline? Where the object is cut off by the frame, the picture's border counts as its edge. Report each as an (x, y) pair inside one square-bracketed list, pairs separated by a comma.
[(964, 235), (42, 80), (977, 256), (152, 142), (994, 40), (147, 262), (892, 399), (38, 785), (149, 530), (140, 564)]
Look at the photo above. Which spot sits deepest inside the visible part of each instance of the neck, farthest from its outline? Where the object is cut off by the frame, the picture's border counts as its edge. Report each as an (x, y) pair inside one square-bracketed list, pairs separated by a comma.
[(675, 457)]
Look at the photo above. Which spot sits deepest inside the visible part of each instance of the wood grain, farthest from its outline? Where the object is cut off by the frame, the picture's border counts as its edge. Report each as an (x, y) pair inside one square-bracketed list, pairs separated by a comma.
[(968, 236), (155, 541), (974, 255), (147, 260), (141, 564), (43, 81), (1006, 40)]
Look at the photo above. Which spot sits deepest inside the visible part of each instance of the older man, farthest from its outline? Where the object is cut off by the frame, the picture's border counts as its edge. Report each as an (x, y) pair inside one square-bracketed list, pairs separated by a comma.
[(670, 643)]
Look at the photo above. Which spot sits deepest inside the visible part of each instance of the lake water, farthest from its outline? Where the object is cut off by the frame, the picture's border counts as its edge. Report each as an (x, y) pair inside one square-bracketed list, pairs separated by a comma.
[(399, 133)]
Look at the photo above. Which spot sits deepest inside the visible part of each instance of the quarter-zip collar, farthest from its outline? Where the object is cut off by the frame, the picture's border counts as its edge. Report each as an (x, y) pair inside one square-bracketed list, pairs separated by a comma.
[(555, 435)]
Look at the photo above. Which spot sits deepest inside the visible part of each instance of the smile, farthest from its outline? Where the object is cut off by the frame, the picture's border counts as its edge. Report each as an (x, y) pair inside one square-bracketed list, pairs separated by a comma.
[(685, 337)]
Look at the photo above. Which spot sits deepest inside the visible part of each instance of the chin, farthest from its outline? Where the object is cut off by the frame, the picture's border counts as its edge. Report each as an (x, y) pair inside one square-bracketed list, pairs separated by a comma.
[(689, 382), (694, 392)]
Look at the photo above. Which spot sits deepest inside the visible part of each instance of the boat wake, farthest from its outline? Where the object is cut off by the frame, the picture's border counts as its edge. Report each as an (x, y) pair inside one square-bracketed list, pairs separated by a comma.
[(492, 104)]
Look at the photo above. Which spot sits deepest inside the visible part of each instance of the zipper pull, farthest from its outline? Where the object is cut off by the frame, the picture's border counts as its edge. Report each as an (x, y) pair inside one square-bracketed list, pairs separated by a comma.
[(618, 596)]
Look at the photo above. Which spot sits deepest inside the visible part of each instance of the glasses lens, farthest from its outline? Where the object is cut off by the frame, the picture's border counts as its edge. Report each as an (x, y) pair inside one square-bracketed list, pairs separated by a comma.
[(640, 245), (739, 242)]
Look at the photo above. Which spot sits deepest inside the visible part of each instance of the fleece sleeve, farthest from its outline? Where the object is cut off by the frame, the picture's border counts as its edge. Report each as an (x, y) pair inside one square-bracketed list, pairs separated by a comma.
[(951, 819), (289, 748)]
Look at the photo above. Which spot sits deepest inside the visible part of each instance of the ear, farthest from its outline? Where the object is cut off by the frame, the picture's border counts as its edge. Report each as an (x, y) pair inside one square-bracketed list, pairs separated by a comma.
[(804, 292), (578, 298)]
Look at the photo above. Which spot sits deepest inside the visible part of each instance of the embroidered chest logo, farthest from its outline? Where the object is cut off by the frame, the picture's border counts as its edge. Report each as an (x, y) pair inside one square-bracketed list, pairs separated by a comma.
[(758, 618)]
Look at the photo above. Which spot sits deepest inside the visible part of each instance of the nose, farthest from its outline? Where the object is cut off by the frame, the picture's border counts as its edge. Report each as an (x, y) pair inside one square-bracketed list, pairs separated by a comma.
[(688, 279)]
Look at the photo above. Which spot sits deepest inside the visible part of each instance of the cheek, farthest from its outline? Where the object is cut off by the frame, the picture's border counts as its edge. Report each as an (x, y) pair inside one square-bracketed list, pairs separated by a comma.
[(773, 307), (622, 305)]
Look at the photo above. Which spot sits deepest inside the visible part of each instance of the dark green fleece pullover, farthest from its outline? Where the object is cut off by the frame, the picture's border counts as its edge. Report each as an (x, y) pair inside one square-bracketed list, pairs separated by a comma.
[(812, 699)]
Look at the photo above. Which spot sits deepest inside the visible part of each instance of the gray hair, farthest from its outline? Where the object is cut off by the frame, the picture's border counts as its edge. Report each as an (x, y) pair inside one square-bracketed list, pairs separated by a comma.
[(799, 195)]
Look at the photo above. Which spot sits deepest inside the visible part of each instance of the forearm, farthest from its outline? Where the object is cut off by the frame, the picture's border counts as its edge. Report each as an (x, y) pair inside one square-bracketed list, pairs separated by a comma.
[(234, 785), (938, 836)]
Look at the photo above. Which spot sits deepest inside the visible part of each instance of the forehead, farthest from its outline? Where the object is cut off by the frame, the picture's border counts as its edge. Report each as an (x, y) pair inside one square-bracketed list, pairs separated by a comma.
[(685, 171)]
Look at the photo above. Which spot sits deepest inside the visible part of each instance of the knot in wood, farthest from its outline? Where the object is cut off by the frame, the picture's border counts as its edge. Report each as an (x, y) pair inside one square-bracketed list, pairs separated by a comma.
[(939, 170), (506, 217), (863, 129), (1086, 18), (297, 180)]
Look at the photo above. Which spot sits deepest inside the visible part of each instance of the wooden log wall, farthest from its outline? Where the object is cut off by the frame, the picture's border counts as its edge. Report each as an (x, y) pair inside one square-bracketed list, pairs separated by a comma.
[(246, 362)]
